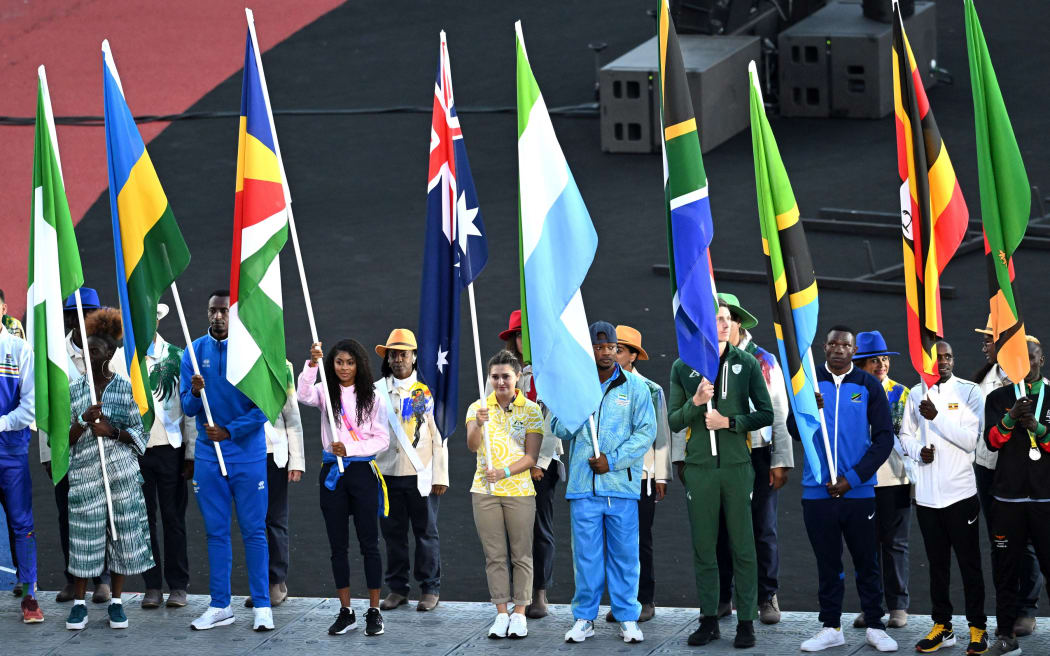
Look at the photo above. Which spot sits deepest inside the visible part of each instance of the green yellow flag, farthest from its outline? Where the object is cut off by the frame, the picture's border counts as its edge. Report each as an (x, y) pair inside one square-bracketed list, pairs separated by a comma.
[(1006, 200)]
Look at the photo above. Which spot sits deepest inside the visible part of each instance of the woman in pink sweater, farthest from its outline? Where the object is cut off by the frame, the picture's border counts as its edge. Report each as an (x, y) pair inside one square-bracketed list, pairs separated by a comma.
[(361, 433)]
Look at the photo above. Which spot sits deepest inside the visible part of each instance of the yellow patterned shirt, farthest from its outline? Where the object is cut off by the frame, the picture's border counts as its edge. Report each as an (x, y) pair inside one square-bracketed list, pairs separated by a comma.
[(507, 431)]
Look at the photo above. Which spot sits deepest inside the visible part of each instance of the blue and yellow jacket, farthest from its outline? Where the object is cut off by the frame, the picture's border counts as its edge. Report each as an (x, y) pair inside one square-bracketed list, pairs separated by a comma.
[(626, 425), (17, 387), (860, 430), (230, 408)]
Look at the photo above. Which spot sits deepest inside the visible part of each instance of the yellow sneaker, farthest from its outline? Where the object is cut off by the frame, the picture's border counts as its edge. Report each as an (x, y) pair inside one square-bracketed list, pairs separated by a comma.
[(978, 641), (941, 635)]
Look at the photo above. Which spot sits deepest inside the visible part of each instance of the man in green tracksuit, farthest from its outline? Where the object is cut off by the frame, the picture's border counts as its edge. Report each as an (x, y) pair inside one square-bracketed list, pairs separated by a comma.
[(723, 479)]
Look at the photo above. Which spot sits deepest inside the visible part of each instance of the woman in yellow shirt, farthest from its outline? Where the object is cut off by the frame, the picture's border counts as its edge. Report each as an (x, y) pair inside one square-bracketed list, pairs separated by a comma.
[(503, 497)]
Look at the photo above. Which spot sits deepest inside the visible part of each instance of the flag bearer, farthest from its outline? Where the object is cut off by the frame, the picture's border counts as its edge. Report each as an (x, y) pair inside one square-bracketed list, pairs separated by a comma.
[(940, 433), (733, 406), (603, 492)]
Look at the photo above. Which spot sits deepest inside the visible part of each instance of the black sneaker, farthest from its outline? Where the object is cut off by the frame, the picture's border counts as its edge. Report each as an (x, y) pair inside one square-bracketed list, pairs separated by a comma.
[(941, 635), (373, 622), (978, 641), (347, 621), (707, 632), (745, 635)]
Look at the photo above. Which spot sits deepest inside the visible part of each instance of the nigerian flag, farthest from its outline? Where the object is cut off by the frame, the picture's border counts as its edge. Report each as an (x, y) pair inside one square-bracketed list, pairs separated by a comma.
[(54, 274)]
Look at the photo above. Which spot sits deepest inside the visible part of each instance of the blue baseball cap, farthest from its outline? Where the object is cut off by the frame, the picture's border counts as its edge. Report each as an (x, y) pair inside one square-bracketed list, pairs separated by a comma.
[(88, 300), (603, 327)]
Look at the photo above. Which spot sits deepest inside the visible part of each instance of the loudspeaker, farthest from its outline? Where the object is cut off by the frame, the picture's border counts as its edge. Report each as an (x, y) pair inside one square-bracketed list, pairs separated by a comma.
[(837, 63), (716, 16), (716, 68), (882, 10)]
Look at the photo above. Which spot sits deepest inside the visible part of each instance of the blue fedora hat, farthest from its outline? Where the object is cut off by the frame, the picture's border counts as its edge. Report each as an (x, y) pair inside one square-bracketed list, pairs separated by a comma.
[(871, 344), (88, 299)]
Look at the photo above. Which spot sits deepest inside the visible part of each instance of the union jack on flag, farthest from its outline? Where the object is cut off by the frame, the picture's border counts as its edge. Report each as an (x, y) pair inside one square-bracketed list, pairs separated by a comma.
[(455, 250)]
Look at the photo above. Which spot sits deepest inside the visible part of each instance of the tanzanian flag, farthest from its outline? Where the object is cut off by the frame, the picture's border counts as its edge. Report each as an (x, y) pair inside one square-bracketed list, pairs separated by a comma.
[(150, 250), (792, 282), (1006, 200), (933, 213), (688, 210)]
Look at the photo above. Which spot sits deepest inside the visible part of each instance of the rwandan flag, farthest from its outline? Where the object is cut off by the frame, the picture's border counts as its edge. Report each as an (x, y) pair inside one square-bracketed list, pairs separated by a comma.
[(792, 282), (556, 245), (934, 217), (689, 225), (1006, 200), (150, 250)]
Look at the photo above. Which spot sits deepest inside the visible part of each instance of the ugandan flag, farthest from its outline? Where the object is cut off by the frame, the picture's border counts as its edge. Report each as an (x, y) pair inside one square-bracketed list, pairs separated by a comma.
[(933, 213), (150, 250), (792, 282), (690, 228), (1006, 200)]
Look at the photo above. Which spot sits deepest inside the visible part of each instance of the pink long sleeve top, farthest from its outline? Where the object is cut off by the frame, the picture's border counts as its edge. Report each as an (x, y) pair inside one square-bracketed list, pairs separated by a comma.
[(369, 436)]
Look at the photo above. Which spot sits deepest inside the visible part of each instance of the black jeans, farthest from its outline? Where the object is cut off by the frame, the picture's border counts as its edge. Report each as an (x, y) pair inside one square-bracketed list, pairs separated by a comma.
[(408, 508), (543, 529), (646, 514), (62, 503), (954, 528), (277, 520), (164, 486), (893, 527), (764, 524), (356, 494), (1030, 582)]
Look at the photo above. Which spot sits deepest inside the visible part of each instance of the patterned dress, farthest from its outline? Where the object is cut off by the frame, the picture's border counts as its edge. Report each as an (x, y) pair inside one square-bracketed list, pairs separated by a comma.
[(91, 544)]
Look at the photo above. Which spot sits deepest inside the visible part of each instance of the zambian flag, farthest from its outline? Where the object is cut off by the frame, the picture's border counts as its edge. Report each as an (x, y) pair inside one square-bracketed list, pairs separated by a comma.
[(1006, 200), (934, 217), (54, 274), (792, 282), (150, 250)]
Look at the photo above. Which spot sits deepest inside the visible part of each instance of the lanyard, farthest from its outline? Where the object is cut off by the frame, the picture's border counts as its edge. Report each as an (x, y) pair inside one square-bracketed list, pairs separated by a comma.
[(1038, 406)]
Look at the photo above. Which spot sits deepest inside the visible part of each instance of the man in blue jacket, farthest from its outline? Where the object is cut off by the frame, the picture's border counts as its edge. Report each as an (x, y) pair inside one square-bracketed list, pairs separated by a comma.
[(239, 431), (842, 508), (603, 492), (17, 410)]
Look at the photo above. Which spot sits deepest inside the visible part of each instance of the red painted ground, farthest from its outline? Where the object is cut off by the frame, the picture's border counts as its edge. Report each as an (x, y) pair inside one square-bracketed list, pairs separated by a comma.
[(169, 54)]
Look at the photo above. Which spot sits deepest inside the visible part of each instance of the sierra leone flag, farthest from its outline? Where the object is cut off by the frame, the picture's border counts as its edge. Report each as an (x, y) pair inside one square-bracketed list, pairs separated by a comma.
[(256, 363), (54, 274)]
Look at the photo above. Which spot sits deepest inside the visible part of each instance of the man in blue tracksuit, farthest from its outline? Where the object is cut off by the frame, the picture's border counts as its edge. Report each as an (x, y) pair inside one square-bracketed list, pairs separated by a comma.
[(17, 385), (860, 432), (239, 432), (603, 491)]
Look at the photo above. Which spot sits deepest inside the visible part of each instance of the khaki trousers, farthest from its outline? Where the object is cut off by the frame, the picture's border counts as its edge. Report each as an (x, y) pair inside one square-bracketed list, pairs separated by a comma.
[(501, 521)]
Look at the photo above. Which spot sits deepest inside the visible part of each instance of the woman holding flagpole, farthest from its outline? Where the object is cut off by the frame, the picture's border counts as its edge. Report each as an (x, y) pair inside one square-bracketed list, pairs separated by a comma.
[(116, 419), (359, 491), (503, 495)]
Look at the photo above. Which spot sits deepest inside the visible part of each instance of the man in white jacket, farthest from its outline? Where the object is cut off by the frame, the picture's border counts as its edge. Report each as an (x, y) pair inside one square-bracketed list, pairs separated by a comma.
[(940, 432)]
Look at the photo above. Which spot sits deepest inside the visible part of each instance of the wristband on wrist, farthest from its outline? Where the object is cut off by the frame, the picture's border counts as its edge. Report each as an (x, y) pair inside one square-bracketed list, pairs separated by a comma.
[(1009, 422), (506, 472)]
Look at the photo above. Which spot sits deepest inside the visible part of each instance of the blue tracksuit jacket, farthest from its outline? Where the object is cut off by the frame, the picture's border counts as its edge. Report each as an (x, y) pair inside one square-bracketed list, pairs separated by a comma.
[(859, 428), (626, 425), (230, 408), (17, 394)]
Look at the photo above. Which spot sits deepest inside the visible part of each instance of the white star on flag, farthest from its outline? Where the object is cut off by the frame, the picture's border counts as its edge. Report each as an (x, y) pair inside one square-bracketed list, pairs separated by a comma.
[(465, 218), (442, 361)]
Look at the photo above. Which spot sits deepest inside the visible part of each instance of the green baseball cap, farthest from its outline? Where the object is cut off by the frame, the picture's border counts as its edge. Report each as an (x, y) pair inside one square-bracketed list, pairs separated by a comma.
[(747, 320)]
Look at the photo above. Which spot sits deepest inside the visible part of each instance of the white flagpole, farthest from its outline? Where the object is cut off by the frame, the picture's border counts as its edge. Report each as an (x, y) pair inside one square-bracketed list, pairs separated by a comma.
[(833, 465), (94, 401), (196, 369), (481, 377), (594, 436), (291, 229)]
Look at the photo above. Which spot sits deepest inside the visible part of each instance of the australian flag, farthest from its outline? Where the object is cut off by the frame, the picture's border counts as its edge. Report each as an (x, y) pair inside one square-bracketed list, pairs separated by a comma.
[(455, 250)]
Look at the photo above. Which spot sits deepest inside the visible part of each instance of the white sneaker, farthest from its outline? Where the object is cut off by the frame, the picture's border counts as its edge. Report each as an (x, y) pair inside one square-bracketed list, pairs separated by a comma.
[(580, 631), (499, 627), (518, 627), (828, 637), (263, 619), (630, 632), (212, 618), (880, 640)]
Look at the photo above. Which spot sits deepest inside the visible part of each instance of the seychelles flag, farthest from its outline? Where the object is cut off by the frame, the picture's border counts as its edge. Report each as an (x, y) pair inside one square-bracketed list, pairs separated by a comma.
[(455, 250), (150, 250)]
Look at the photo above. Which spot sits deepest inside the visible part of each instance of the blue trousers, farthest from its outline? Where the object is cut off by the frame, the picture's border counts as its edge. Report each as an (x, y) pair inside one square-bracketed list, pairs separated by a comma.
[(829, 523), (244, 486), (605, 553), (16, 495)]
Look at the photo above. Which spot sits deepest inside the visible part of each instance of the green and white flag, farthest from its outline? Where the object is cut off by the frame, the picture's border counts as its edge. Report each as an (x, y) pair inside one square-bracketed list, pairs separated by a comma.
[(54, 274)]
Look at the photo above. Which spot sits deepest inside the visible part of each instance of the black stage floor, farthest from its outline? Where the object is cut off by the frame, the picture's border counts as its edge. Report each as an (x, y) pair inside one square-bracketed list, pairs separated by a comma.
[(359, 186)]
